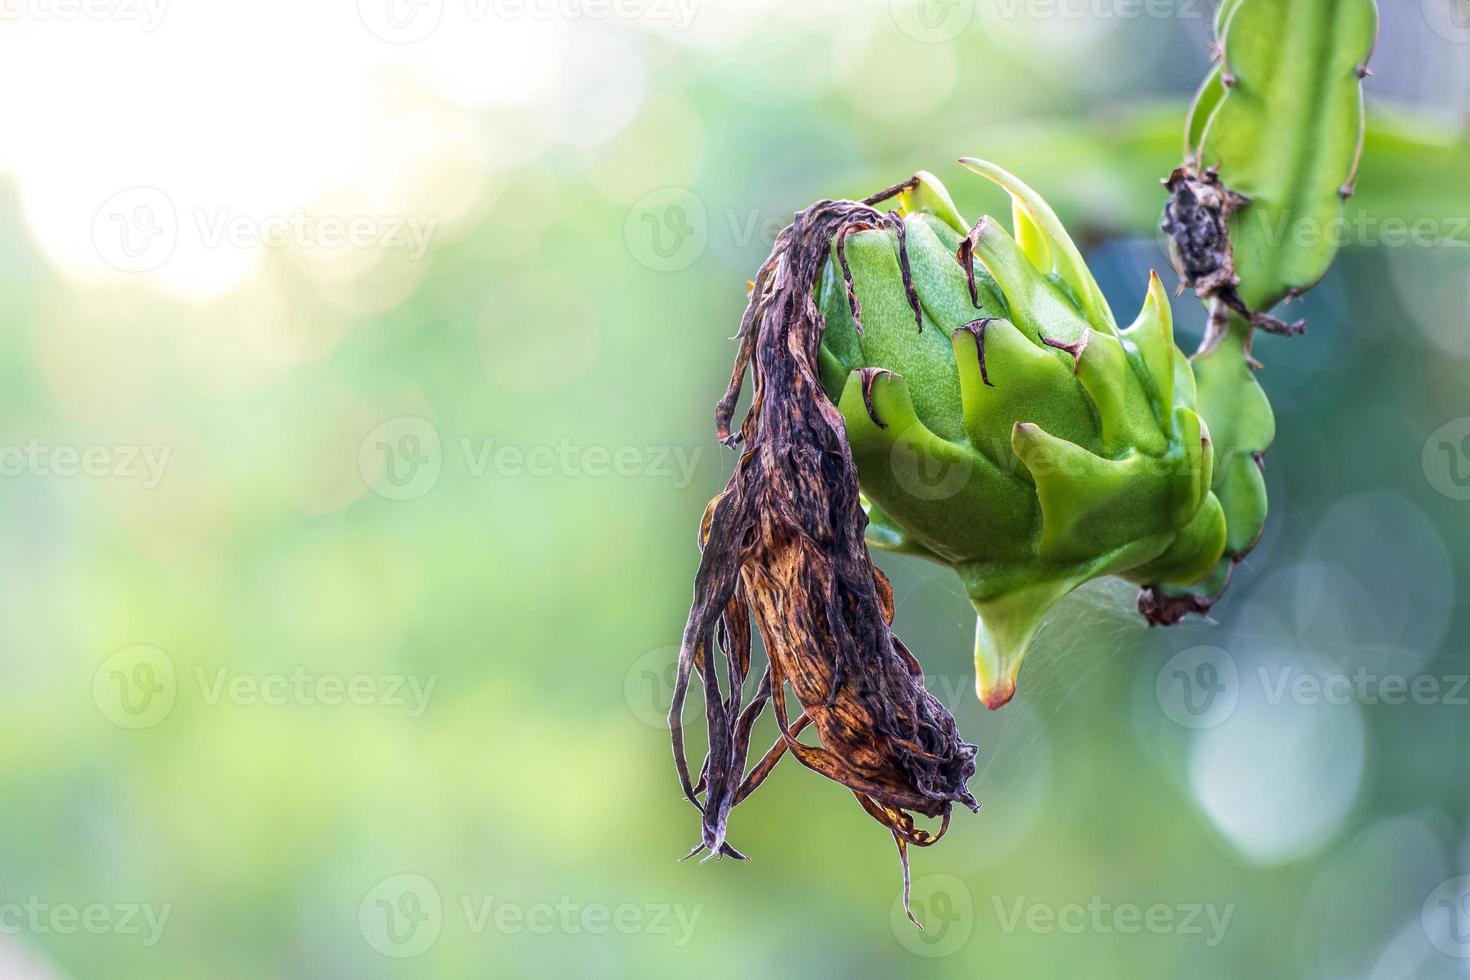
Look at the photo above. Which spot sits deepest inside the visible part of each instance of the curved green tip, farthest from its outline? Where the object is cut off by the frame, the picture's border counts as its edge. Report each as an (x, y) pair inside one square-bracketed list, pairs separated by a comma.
[(1005, 628)]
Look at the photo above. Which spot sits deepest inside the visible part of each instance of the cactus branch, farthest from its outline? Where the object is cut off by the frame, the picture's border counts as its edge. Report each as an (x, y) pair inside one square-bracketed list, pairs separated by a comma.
[(1282, 118)]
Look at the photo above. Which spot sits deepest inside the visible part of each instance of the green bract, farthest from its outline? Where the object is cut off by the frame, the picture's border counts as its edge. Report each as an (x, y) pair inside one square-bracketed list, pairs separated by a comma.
[(1008, 427)]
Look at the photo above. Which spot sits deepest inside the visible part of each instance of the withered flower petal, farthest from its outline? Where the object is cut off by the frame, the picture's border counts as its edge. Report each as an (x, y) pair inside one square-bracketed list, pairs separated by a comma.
[(783, 543)]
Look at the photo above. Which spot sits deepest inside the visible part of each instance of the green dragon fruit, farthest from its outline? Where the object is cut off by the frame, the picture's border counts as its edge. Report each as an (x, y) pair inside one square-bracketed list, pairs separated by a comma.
[(1000, 420), (965, 394)]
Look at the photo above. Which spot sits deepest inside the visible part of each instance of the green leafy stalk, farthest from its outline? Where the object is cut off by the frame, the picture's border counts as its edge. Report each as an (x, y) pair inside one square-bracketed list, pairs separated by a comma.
[(1272, 145)]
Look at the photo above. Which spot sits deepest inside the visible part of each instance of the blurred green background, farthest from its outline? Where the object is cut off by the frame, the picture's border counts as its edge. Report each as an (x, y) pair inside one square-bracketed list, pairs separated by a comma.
[(357, 383)]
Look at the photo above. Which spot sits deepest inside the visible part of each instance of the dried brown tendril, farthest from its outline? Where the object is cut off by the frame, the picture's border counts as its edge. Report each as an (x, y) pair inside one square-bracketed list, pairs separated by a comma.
[(783, 544)]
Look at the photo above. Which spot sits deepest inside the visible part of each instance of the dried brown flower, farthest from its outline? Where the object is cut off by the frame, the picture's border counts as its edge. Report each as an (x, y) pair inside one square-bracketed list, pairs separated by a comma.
[(783, 543)]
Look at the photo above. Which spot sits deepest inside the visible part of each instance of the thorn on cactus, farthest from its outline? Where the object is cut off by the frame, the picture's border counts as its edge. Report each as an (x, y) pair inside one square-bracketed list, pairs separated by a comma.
[(869, 375), (976, 328), (896, 222), (1075, 348)]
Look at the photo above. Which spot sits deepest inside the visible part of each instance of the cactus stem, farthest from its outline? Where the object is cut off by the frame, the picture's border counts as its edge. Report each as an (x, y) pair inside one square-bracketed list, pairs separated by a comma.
[(977, 329)]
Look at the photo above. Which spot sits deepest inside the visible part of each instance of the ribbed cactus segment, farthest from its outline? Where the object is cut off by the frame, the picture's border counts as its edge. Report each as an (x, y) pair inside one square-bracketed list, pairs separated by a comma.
[(1287, 132), (1272, 145)]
